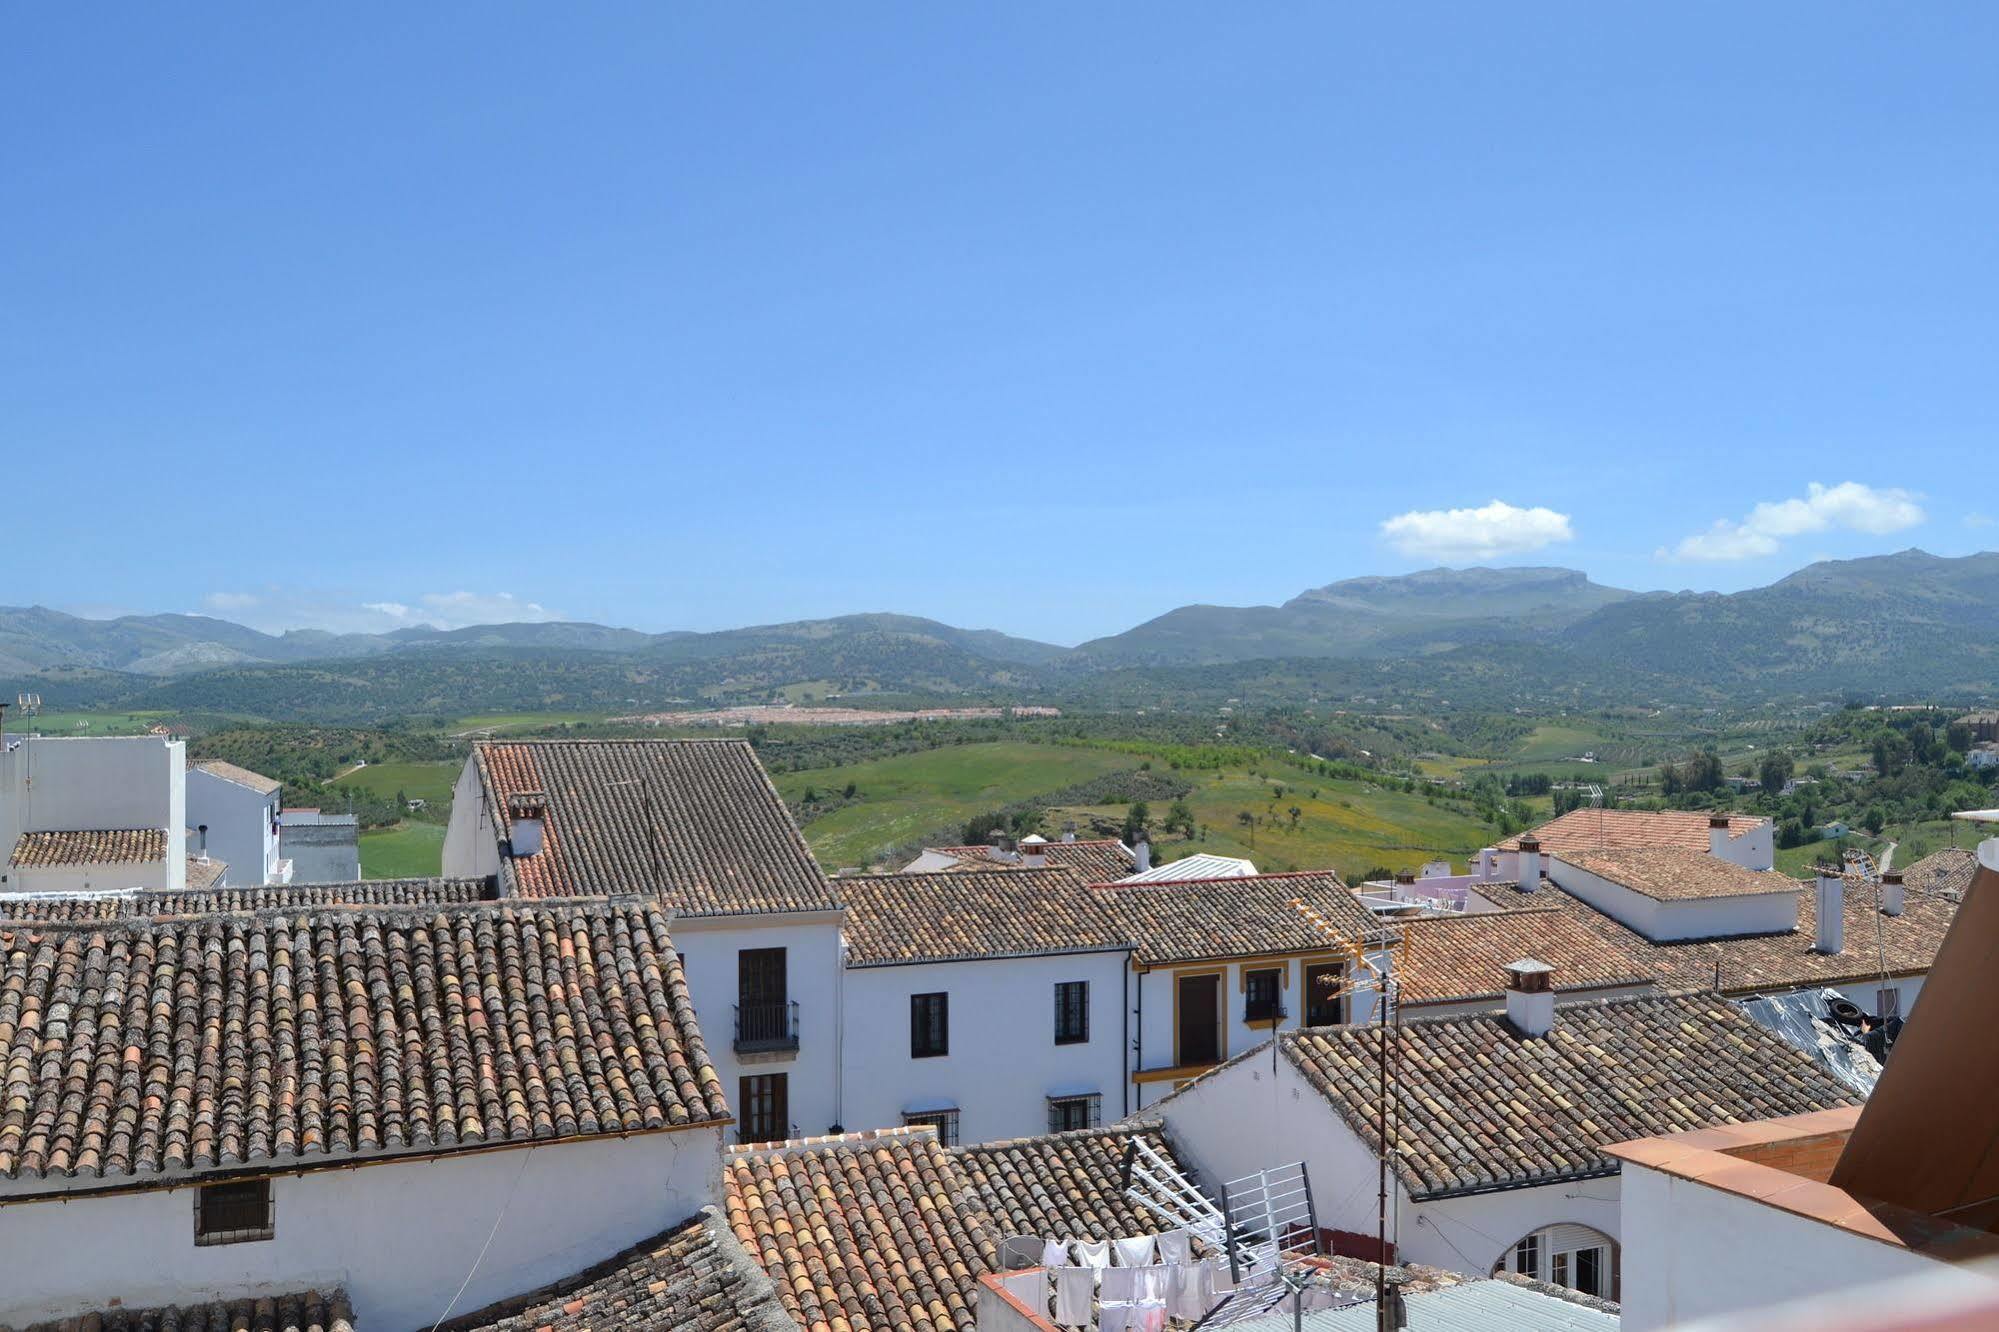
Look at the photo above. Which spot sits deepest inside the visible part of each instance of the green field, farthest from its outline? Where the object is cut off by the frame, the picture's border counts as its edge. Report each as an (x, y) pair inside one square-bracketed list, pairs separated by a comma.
[(912, 795), (501, 722), (1913, 842), (83, 723), (429, 782), (406, 851), (1349, 826)]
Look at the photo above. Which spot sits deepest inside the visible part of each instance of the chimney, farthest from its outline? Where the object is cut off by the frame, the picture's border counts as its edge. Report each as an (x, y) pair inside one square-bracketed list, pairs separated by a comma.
[(1530, 997), (1530, 863), (202, 828), (1830, 903), (1717, 835), (1141, 856), (1032, 855), (1405, 877), (526, 811), (1069, 831), (1893, 895)]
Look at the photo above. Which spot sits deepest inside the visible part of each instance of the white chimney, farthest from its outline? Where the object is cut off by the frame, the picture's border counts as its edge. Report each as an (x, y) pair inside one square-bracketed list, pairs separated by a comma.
[(1530, 997), (1530, 863), (1032, 856), (525, 812), (1893, 895), (1831, 909), (1141, 856), (1717, 835), (524, 837), (202, 828), (1069, 831)]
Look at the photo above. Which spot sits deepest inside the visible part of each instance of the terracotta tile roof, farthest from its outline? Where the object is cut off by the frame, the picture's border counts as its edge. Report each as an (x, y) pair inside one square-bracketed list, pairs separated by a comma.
[(696, 822), (144, 1048), (1606, 829), (897, 918), (90, 846), (153, 903), (1190, 920), (887, 1230), (305, 1311), (1454, 959), (692, 1278), (229, 772), (1947, 872), (1761, 963), (870, 1231), (1484, 1108), (1671, 873), (201, 874), (1098, 860)]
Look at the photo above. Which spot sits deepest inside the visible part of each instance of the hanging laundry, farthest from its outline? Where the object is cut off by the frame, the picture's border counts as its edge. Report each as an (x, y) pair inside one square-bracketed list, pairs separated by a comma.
[(1147, 1318), (1074, 1287), (1134, 1252), (1093, 1253), (1114, 1317), (1176, 1246), (1119, 1286), (1190, 1289), (1055, 1253), (1151, 1284)]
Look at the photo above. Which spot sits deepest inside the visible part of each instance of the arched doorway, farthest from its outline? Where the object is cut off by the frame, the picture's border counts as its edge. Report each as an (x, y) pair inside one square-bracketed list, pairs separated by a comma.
[(1579, 1257)]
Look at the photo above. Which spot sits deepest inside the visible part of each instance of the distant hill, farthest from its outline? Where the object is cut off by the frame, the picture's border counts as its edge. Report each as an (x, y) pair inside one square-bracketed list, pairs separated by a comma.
[(1377, 617)]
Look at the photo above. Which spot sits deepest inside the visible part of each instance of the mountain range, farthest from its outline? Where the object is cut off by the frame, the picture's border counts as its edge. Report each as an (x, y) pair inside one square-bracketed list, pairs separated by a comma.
[(1903, 624)]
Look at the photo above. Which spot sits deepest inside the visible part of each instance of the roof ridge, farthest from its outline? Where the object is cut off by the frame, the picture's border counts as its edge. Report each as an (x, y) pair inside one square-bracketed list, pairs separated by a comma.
[(1222, 878), (496, 906)]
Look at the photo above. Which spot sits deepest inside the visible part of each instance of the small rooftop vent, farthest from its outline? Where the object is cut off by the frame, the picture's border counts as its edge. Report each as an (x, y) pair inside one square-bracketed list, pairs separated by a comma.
[(527, 814), (527, 805), (1530, 997), (1894, 896)]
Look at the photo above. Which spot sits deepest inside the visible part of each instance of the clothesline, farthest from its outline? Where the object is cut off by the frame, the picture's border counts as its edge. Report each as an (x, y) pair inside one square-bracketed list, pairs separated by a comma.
[(1129, 1284)]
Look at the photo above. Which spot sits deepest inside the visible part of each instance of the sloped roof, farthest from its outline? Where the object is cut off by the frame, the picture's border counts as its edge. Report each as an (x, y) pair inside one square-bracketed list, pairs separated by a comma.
[(229, 772), (1191, 920), (1606, 829), (1200, 865), (201, 874), (1673, 873), (694, 1277), (1460, 958), (695, 822), (900, 918), (884, 1230), (327, 1035), (151, 902), (1483, 1107), (1097, 860), (304, 1311), (1947, 872), (89, 846)]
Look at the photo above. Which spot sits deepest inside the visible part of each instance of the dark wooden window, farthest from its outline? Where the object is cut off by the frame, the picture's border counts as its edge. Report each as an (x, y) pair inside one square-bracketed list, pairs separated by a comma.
[(760, 976), (1259, 999), (1074, 1112), (234, 1213), (1199, 1035), (929, 1025), (1072, 1012), (765, 1106), (944, 1121), (1325, 1000)]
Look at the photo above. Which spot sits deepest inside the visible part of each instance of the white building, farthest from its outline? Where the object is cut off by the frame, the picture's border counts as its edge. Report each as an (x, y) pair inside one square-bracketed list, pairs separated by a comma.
[(320, 847), (1743, 839), (520, 1080), (92, 813), (696, 826), (987, 1003), (239, 810), (1501, 1121), (1219, 964), (1094, 859)]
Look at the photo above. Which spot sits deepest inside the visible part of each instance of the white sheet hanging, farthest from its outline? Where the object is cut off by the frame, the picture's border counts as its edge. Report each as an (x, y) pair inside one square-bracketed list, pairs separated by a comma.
[(1119, 1286), (1135, 1251), (1093, 1253), (1176, 1246), (1055, 1253), (1074, 1287)]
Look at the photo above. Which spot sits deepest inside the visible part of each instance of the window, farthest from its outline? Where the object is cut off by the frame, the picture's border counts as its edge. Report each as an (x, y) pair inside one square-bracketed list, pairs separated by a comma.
[(765, 1105), (944, 1121), (766, 1020), (929, 1025), (1589, 1271), (1074, 1112), (1888, 1001), (1579, 1257), (1325, 997), (1072, 1012), (234, 1213), (1527, 1257), (1260, 995)]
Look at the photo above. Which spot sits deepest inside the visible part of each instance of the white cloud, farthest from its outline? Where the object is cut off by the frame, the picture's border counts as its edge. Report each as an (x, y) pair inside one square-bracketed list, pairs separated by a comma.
[(276, 609), (1847, 507), (1497, 529)]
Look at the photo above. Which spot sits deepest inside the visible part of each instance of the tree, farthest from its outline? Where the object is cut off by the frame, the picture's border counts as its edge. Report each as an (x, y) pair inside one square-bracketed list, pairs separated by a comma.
[(1957, 736), (1248, 821), (1875, 819), (1180, 818), (1136, 821), (849, 792), (1294, 812), (1775, 769)]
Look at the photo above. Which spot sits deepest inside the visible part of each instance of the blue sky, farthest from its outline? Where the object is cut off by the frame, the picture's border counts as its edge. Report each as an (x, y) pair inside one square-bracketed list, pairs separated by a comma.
[(1047, 318)]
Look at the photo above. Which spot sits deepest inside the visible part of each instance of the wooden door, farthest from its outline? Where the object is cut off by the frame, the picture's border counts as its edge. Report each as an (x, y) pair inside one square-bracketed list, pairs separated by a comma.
[(1198, 1006)]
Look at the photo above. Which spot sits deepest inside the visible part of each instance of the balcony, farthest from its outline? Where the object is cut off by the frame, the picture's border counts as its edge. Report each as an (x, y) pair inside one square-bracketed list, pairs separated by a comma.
[(766, 1028), (1267, 1011)]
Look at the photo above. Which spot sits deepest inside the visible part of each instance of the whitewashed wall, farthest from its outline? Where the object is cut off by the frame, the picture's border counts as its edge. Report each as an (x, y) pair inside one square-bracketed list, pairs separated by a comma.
[(99, 783), (811, 941), (240, 823), (399, 1237), (1686, 918), (471, 841), (1004, 1061), (1694, 1252)]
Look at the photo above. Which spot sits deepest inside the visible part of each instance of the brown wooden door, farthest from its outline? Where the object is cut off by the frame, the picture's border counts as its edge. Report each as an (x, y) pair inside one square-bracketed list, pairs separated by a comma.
[(1199, 1005), (1325, 1005), (765, 1108)]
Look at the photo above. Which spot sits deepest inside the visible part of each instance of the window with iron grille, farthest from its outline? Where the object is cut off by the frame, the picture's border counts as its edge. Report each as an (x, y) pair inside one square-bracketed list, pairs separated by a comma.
[(1072, 1012), (944, 1121), (234, 1213), (929, 1025), (1260, 995), (1074, 1112)]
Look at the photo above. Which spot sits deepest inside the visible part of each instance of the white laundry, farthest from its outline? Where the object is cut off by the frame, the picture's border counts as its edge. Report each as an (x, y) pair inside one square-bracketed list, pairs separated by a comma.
[(1119, 1286), (1093, 1253), (1073, 1288), (1055, 1253), (1147, 1318), (1114, 1317), (1134, 1252), (1151, 1284), (1190, 1289), (1176, 1246)]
